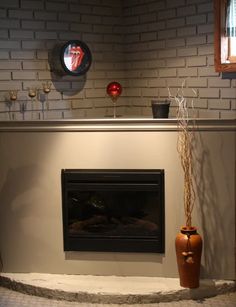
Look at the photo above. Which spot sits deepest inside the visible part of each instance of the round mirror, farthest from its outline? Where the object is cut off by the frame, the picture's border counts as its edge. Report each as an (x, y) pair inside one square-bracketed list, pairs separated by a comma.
[(75, 57)]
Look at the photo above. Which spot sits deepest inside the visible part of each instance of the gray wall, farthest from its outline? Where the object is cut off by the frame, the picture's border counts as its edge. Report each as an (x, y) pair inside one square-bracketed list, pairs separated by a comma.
[(146, 45)]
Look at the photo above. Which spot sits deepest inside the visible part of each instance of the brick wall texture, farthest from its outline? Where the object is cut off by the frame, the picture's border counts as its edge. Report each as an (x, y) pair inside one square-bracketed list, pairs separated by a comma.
[(146, 45)]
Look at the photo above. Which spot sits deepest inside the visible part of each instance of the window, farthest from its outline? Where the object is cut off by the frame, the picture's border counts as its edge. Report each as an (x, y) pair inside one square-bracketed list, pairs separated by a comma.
[(225, 35), (232, 50)]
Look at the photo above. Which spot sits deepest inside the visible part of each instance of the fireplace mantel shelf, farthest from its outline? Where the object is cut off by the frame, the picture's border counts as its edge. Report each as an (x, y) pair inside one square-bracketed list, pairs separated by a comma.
[(118, 124)]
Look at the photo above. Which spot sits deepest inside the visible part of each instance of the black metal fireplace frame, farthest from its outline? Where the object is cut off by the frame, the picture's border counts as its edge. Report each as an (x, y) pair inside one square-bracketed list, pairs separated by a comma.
[(70, 178)]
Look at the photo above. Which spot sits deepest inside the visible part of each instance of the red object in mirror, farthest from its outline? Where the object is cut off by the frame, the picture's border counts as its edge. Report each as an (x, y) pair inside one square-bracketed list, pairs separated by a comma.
[(77, 55), (114, 89), (75, 58)]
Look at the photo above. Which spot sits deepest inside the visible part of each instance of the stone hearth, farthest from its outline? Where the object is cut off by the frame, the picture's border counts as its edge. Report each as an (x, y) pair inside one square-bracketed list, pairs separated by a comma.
[(111, 289)]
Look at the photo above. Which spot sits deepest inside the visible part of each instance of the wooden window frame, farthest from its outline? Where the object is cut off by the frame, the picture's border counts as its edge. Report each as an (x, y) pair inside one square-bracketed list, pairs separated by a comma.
[(220, 41)]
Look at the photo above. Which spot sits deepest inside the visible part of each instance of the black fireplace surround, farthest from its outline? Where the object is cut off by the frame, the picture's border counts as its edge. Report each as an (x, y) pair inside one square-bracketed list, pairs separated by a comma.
[(113, 210)]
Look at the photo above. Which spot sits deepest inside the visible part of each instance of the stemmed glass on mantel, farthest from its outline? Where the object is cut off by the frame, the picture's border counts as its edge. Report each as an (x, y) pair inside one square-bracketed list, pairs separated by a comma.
[(114, 90), (32, 92), (13, 98), (46, 89)]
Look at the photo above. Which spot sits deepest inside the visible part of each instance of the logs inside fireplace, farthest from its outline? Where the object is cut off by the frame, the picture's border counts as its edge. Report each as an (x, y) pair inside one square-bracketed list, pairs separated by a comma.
[(113, 210)]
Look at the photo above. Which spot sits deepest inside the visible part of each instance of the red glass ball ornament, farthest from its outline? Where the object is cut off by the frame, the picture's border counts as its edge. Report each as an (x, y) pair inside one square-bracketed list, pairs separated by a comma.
[(114, 89)]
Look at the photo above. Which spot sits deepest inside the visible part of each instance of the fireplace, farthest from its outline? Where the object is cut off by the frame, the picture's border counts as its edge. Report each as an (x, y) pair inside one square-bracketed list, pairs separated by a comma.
[(113, 210)]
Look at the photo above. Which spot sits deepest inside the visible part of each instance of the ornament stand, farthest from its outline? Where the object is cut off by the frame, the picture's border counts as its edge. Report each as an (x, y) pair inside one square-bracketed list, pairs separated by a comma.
[(114, 107)]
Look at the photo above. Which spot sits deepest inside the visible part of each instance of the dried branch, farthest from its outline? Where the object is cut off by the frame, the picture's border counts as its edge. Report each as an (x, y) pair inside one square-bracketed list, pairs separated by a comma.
[(184, 148)]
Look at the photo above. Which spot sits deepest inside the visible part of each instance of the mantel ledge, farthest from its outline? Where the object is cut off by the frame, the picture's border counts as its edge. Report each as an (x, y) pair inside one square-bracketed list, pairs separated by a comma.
[(117, 124)]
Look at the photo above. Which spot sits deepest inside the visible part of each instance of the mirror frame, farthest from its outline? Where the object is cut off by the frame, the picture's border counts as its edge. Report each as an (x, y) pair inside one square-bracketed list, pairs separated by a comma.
[(220, 41)]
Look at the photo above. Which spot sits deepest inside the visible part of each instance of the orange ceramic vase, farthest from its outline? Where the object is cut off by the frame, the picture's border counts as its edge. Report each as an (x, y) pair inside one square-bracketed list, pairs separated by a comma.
[(188, 245)]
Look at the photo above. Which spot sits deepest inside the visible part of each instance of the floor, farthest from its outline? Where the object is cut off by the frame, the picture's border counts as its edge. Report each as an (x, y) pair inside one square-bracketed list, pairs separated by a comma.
[(9, 298)]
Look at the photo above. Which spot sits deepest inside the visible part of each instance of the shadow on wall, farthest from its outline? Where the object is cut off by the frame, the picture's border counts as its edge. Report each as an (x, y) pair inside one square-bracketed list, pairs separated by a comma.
[(215, 221), (1, 262), (18, 208)]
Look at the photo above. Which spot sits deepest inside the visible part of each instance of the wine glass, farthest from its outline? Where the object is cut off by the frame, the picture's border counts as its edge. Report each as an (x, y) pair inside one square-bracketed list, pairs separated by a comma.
[(47, 89), (13, 98), (32, 92)]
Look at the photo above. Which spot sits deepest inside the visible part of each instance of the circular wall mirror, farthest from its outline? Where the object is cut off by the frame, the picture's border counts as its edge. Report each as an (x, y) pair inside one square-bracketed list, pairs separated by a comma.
[(75, 57)]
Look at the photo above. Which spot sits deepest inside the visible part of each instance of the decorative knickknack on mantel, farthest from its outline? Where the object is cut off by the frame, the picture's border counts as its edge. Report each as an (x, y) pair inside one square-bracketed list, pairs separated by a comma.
[(114, 90), (160, 109), (188, 243)]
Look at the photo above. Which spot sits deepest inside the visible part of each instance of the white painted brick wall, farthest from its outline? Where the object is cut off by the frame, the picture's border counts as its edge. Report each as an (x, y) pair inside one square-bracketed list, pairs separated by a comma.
[(4, 55), (43, 15), (186, 10), (9, 3), (10, 65), (145, 45), (5, 75), (176, 42), (187, 72), (219, 104), (196, 20), (209, 93), (187, 31), (23, 75), (228, 93), (196, 40), (197, 82), (187, 51), (167, 53), (196, 61), (168, 72), (3, 33)]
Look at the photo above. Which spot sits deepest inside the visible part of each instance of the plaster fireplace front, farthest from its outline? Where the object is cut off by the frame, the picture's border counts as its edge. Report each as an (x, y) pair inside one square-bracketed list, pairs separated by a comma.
[(32, 156)]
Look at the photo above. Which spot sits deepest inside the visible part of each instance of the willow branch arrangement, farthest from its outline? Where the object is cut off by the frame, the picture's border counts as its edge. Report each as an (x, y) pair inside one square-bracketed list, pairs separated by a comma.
[(184, 148)]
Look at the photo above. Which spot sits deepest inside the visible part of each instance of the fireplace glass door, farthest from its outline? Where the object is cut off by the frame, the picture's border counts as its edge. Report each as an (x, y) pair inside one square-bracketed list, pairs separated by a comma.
[(113, 210)]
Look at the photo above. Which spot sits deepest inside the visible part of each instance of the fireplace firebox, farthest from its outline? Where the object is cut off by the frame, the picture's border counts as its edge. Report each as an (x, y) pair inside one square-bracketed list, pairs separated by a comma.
[(113, 210)]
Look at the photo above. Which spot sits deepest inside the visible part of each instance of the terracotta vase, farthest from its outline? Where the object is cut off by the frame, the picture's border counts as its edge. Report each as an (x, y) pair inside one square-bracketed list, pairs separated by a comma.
[(188, 245)]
